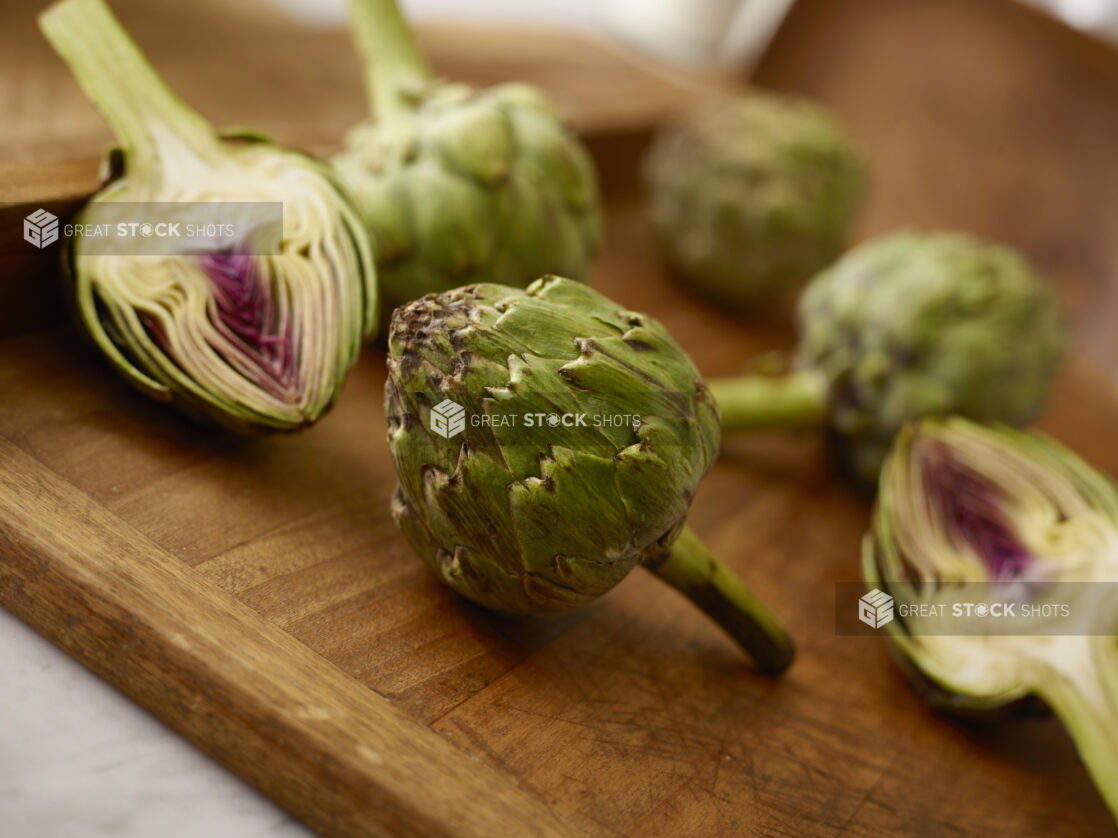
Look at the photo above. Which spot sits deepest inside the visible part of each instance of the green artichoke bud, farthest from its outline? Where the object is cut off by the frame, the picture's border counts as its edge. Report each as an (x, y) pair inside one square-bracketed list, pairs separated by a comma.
[(458, 185), (907, 326), (1019, 517), (518, 503), (253, 341), (751, 195)]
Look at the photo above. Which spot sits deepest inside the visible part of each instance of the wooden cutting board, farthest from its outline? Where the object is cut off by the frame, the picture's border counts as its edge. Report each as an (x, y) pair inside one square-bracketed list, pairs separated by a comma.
[(255, 595)]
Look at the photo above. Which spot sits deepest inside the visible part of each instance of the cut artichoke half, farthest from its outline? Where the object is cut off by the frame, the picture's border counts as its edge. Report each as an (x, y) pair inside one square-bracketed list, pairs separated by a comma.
[(459, 185), (960, 504), (902, 327), (516, 503), (250, 340)]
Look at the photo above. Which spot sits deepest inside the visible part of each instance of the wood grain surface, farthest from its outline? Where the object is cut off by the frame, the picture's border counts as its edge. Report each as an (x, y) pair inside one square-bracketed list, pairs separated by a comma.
[(339, 755), (255, 595)]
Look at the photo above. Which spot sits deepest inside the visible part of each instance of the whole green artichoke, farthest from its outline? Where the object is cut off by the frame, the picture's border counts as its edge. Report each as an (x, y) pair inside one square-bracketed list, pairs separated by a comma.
[(234, 331), (546, 442), (458, 185), (751, 195), (910, 325), (1000, 549)]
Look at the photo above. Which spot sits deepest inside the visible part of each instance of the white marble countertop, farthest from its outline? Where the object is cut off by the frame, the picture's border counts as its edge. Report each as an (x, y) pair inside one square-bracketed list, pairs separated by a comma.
[(79, 760)]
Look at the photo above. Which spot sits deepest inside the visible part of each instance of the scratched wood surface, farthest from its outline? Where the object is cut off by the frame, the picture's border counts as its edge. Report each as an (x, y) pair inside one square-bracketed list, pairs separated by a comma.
[(255, 595)]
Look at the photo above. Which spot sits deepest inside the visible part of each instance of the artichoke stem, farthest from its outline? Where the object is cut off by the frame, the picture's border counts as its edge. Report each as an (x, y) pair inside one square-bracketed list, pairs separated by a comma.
[(796, 401), (694, 571), (392, 60), (143, 112), (1087, 703)]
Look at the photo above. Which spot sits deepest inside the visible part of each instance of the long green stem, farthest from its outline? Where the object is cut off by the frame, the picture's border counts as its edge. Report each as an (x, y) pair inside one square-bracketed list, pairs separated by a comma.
[(392, 60), (796, 401), (114, 74), (695, 572), (1087, 703)]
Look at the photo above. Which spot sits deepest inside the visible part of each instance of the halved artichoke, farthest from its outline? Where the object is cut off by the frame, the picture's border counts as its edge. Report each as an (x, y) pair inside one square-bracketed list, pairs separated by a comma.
[(1023, 533), (251, 337)]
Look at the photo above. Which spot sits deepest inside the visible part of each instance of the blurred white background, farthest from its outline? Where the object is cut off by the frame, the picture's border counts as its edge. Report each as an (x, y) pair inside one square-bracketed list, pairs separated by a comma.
[(577, 13), (1098, 16), (684, 31)]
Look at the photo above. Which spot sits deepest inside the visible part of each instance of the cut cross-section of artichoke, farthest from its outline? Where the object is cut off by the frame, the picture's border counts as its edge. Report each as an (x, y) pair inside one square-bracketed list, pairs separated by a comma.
[(968, 513), (249, 335)]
